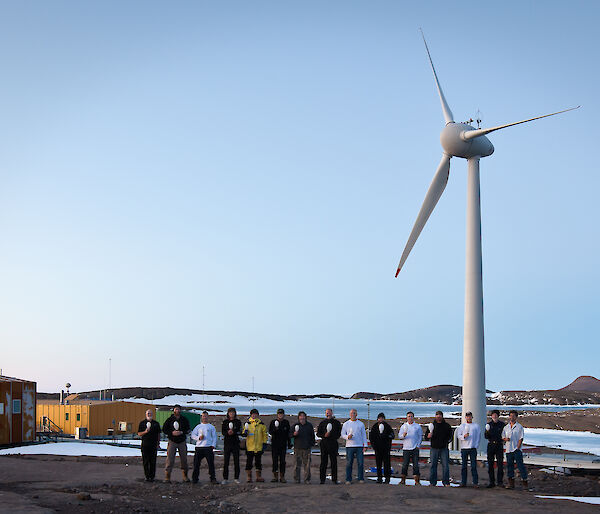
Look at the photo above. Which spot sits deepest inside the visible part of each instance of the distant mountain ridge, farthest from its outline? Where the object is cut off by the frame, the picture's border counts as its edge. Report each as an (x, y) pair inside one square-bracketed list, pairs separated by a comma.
[(584, 390), (157, 393)]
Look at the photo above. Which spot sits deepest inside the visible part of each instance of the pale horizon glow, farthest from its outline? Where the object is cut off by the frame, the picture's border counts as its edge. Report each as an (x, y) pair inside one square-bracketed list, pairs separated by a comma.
[(231, 185)]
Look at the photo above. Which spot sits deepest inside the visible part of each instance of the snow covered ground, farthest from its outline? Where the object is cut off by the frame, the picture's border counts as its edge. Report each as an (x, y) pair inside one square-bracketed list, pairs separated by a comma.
[(216, 404), (73, 448), (126, 448), (594, 500), (585, 442)]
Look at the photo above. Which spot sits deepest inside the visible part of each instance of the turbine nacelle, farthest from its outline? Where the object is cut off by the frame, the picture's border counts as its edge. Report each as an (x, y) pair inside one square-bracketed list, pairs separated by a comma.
[(458, 140), (455, 144)]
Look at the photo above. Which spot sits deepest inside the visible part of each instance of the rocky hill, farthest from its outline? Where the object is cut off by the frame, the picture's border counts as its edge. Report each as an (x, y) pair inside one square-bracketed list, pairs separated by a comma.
[(156, 393), (438, 393), (583, 390), (584, 383)]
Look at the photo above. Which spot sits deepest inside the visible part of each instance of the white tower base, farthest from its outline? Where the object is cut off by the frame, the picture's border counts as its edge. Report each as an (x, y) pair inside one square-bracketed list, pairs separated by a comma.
[(473, 389)]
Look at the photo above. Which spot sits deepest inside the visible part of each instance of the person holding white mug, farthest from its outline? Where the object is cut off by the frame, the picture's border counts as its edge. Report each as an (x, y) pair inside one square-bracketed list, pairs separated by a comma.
[(381, 436), (468, 435), (329, 430), (149, 431), (279, 428), (495, 448), (176, 428), (205, 436), (256, 438), (513, 435), (304, 440), (411, 434), (353, 431), (231, 430)]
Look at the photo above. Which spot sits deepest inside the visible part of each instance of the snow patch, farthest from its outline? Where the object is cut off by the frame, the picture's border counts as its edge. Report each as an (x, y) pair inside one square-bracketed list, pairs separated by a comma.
[(594, 500)]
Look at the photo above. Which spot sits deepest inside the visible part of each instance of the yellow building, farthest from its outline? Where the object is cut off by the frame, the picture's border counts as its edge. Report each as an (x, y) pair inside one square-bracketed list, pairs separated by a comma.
[(98, 417)]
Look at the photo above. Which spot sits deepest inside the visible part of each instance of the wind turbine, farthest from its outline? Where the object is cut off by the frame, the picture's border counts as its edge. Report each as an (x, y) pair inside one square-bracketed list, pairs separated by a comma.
[(463, 140)]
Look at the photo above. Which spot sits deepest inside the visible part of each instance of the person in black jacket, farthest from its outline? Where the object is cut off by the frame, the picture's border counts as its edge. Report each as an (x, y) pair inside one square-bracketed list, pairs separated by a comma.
[(381, 436), (176, 428), (149, 431), (329, 445), (493, 433), (279, 429), (440, 437), (304, 440), (231, 430)]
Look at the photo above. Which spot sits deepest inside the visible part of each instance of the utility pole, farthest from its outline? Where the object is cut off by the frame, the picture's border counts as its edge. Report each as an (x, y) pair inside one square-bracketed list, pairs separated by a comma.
[(109, 373), (203, 390)]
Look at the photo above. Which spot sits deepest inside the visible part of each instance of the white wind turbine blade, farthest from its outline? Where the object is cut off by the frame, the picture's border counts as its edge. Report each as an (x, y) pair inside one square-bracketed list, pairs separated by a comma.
[(438, 184), (448, 116), (470, 134)]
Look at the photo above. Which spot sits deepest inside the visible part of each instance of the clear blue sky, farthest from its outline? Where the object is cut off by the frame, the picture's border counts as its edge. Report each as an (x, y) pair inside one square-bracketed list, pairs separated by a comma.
[(231, 184)]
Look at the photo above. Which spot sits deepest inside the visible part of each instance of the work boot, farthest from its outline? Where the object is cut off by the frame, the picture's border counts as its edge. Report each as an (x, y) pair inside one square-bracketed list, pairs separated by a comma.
[(511, 484), (402, 480), (185, 477), (167, 476), (275, 476), (282, 478), (249, 475), (417, 480), (259, 477), (526, 485), (387, 480)]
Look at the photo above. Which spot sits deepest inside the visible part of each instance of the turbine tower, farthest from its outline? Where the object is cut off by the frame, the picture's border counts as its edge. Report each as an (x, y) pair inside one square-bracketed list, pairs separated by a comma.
[(463, 140)]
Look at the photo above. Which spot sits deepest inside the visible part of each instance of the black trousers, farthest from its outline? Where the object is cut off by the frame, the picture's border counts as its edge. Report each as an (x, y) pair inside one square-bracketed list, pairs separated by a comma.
[(228, 451), (494, 452), (203, 453), (149, 461), (257, 456), (279, 452), (382, 459), (329, 452)]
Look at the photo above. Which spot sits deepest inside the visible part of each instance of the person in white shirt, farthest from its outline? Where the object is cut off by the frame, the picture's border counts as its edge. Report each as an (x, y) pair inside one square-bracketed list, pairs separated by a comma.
[(411, 434), (469, 435), (512, 435), (353, 431), (205, 436)]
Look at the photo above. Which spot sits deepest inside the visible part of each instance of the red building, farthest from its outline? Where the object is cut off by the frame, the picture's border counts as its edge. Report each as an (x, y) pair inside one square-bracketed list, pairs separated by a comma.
[(17, 410)]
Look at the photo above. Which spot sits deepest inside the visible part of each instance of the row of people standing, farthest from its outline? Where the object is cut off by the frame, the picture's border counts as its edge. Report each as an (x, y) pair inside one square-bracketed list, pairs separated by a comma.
[(329, 431)]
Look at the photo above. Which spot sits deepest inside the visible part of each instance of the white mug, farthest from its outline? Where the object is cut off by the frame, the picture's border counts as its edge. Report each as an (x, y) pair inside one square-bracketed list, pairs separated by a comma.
[(297, 427), (176, 425), (487, 427), (230, 425), (381, 428), (276, 423), (246, 426), (329, 427)]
